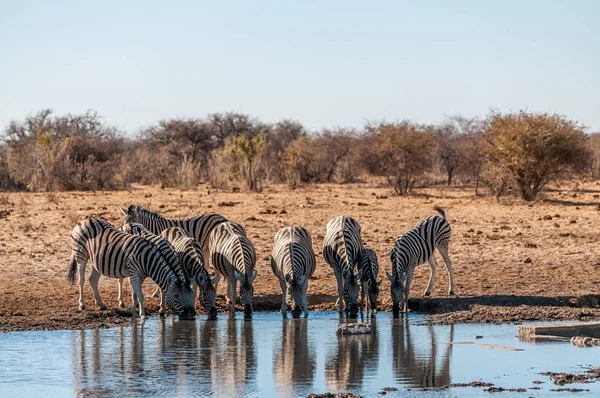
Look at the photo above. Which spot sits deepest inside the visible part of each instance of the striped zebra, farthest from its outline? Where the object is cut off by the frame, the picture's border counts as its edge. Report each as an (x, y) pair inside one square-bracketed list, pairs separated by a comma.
[(415, 247), (192, 260), (117, 254), (234, 257), (369, 268), (293, 262), (166, 250), (341, 250), (198, 227)]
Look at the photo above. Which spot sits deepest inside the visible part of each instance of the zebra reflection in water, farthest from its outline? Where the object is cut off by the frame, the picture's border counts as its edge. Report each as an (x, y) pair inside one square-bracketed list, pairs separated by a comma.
[(345, 367), (419, 358), (294, 358)]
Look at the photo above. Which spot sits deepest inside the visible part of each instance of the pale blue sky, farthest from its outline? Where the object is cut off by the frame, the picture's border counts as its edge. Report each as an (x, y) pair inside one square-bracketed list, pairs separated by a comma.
[(323, 63)]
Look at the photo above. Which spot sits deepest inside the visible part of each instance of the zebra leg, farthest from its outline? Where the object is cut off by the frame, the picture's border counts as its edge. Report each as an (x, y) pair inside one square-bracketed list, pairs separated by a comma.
[(163, 306), (433, 266), (444, 252), (120, 297), (228, 297), (362, 298), (305, 300), (94, 278), (195, 293), (231, 288), (156, 292), (340, 286), (284, 304), (136, 287), (407, 288), (81, 268)]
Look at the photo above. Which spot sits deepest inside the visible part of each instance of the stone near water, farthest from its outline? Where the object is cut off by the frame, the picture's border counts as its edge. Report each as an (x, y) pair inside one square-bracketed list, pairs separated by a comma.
[(587, 329), (354, 328), (583, 341)]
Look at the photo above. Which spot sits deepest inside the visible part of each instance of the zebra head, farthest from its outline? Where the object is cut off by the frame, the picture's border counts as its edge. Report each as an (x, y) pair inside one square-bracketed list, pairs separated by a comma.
[(208, 293), (351, 288), (131, 214), (246, 291), (296, 289), (373, 292), (397, 290), (180, 298)]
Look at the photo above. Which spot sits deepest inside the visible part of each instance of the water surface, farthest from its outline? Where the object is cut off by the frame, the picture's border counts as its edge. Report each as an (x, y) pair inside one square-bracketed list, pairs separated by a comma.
[(270, 356)]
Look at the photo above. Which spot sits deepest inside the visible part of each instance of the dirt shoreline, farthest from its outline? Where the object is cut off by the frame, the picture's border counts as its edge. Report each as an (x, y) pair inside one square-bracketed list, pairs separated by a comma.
[(512, 261)]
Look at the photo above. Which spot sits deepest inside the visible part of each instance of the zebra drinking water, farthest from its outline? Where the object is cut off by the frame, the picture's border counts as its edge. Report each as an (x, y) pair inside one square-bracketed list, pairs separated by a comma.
[(234, 257), (116, 254), (293, 262), (415, 247), (369, 268), (165, 249), (341, 250), (192, 260)]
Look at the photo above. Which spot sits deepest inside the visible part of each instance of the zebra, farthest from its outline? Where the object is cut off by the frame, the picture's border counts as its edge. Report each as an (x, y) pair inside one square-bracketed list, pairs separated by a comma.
[(234, 257), (116, 254), (293, 262), (369, 268), (192, 260), (415, 247), (166, 250), (341, 249)]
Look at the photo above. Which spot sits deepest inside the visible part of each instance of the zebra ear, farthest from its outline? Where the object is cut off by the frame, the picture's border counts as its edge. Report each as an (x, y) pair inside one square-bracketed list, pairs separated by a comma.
[(124, 211), (253, 277), (288, 278), (379, 283), (389, 276), (138, 209), (215, 281), (201, 279), (237, 275)]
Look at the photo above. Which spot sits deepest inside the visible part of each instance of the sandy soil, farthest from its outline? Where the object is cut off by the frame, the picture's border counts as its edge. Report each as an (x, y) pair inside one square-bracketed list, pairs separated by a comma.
[(512, 261)]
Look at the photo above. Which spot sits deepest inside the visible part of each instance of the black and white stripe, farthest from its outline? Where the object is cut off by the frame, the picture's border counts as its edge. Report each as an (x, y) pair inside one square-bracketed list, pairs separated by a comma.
[(415, 247), (192, 261), (166, 250), (198, 227), (234, 257), (369, 269), (341, 250), (117, 254), (293, 262)]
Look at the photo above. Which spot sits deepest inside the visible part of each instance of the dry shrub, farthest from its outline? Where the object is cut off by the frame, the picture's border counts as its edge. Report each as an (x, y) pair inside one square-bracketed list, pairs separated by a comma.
[(534, 149)]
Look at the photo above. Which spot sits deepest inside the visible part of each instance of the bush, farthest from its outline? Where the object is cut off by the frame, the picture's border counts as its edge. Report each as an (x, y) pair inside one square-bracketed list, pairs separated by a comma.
[(536, 148)]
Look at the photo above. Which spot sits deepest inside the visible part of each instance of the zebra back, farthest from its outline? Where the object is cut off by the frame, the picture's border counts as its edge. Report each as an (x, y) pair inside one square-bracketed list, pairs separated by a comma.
[(232, 252), (293, 254), (198, 227), (368, 265), (342, 243), (188, 251)]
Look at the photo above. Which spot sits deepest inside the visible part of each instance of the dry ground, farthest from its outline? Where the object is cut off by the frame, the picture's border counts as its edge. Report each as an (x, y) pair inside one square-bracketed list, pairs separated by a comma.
[(512, 261)]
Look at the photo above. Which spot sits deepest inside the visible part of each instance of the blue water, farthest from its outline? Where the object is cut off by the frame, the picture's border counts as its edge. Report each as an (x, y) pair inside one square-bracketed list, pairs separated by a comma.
[(269, 356)]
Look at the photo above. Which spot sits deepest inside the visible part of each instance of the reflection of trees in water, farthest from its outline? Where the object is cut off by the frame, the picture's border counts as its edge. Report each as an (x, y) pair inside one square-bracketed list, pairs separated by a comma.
[(294, 362), (419, 364), (179, 359), (345, 368)]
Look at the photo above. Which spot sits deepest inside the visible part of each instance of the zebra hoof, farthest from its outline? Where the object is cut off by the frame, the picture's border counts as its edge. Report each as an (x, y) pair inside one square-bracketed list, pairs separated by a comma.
[(121, 305), (451, 293), (102, 307), (427, 294), (81, 307)]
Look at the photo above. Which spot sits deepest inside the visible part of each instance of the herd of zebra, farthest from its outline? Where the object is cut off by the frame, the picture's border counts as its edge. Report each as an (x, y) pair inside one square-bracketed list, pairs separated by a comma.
[(175, 253)]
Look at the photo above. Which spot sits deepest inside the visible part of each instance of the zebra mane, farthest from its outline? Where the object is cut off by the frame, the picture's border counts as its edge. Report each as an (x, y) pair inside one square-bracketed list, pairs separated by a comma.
[(150, 214)]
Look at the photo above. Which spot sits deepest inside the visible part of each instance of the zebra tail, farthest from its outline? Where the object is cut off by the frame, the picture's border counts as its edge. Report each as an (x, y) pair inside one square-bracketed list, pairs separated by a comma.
[(72, 269), (440, 210)]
